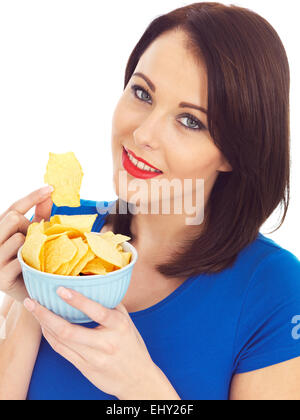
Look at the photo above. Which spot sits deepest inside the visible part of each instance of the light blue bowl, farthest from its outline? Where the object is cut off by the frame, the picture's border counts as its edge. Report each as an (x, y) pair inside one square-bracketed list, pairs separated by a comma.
[(108, 290)]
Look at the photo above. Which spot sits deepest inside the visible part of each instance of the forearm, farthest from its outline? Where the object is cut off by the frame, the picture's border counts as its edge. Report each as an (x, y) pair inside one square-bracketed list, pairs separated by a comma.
[(154, 386), (18, 353)]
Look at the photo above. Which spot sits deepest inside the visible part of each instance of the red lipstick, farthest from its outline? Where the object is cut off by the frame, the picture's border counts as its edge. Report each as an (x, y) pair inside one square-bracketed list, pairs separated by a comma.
[(134, 170), (142, 160)]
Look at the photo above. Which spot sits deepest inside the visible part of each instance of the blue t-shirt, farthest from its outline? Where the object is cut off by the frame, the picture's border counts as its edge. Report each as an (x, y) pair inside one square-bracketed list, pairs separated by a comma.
[(210, 328)]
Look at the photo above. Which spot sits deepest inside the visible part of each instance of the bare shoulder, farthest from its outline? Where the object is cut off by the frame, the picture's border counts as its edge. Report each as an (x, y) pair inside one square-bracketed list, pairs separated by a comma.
[(277, 382)]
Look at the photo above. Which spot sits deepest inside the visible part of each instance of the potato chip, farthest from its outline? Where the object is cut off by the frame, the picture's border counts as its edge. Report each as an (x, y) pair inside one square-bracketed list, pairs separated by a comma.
[(65, 174), (82, 250), (116, 239), (42, 258), (49, 238), (64, 269), (120, 239), (58, 252), (100, 262), (104, 249), (84, 222), (126, 258), (32, 251), (82, 263), (36, 227), (60, 229), (82, 256), (107, 235), (95, 266), (54, 220)]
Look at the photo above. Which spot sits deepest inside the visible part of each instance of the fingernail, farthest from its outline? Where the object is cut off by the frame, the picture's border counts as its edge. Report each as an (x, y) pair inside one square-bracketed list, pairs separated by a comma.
[(47, 190), (29, 305), (64, 293)]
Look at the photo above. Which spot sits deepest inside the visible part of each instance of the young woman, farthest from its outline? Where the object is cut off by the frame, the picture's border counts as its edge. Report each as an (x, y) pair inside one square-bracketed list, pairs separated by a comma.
[(212, 309)]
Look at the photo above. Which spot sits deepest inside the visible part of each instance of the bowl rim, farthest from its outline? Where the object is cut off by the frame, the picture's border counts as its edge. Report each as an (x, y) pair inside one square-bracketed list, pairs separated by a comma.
[(91, 277)]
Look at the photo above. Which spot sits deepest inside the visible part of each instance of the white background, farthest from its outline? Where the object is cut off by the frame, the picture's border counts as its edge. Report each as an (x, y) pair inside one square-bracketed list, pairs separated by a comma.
[(62, 73)]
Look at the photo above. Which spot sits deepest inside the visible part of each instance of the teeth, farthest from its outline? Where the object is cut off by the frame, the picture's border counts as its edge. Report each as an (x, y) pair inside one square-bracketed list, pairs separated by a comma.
[(133, 160), (141, 165)]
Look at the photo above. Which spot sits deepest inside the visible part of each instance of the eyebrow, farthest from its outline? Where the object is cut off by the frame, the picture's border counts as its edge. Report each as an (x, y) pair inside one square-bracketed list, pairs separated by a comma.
[(181, 105)]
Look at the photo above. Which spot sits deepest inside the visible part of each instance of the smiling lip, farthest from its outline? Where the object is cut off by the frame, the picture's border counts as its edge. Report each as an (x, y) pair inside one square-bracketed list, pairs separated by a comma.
[(134, 170), (142, 160)]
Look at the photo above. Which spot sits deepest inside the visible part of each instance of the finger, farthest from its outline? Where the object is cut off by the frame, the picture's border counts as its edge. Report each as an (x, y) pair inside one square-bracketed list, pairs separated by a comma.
[(12, 223), (43, 210), (29, 201), (108, 318), (122, 309), (62, 329), (10, 248), (9, 274), (81, 357), (12, 282), (69, 354)]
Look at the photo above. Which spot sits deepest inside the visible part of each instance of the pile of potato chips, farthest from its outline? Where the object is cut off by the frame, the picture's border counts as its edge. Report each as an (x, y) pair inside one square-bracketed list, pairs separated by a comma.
[(66, 246)]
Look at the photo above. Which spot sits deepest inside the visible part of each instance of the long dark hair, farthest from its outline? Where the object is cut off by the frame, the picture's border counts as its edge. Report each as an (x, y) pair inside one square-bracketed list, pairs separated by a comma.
[(248, 119)]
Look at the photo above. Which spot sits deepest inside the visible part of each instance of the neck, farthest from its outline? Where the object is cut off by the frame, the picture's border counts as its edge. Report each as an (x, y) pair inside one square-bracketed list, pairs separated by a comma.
[(156, 235)]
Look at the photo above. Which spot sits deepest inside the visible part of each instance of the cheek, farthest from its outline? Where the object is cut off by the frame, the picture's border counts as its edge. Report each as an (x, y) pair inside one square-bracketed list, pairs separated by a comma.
[(117, 120), (122, 117), (119, 132), (198, 162)]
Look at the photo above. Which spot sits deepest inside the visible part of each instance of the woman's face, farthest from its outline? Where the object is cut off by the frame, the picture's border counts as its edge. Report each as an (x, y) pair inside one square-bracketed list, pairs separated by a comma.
[(150, 121)]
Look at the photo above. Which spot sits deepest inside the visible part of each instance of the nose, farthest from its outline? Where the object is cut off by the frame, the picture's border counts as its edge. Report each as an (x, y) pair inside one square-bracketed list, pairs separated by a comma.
[(148, 133)]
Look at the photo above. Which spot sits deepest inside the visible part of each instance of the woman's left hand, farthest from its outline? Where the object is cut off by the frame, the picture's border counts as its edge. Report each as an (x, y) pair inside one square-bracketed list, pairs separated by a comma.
[(113, 356)]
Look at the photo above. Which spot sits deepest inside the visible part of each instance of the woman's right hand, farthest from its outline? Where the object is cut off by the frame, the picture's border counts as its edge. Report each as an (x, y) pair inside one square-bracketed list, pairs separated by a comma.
[(13, 230)]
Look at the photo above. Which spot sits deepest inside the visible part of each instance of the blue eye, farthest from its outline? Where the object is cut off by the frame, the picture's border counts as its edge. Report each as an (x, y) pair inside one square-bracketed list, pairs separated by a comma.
[(195, 121), (136, 88), (145, 96)]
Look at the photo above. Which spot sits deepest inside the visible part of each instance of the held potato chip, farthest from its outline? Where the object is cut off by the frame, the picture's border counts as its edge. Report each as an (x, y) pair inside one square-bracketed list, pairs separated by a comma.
[(65, 174)]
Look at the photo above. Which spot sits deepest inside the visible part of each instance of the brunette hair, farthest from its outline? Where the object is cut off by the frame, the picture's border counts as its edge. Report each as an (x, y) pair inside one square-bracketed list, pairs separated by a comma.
[(248, 119)]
